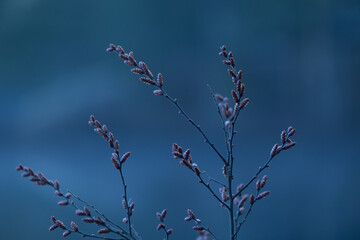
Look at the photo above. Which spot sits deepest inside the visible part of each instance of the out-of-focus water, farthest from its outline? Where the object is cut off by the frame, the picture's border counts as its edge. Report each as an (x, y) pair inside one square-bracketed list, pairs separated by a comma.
[(301, 66)]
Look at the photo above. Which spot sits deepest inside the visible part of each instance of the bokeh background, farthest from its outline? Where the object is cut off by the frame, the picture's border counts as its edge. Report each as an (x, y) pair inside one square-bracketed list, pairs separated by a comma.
[(301, 67)]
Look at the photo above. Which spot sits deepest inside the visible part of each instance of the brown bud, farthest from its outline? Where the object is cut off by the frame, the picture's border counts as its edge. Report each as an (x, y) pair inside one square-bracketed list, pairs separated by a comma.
[(252, 199), (115, 163), (125, 220), (274, 150), (160, 81), (80, 212), (19, 167), (60, 224), (219, 97), (103, 231), (231, 73), (283, 136), (258, 185), (147, 80), (163, 213), (57, 185), (197, 171), (191, 214), (263, 195), (263, 181), (243, 200), (244, 103), (241, 210), (158, 92), (137, 71), (239, 188), (187, 219), (63, 203), (289, 145), (88, 220), (87, 211), (66, 233), (291, 131), (124, 157), (198, 228), (74, 226), (235, 96), (53, 227), (169, 231), (160, 226)]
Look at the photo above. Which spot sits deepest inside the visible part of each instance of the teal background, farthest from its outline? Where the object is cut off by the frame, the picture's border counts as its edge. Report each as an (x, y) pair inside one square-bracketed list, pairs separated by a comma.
[(301, 67)]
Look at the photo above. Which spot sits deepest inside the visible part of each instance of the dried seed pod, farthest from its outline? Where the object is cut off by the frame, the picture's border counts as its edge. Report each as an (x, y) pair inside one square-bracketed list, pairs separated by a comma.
[(252, 199), (74, 226), (283, 136), (125, 157), (66, 233), (159, 79), (274, 150), (103, 231), (263, 181), (147, 80), (263, 195), (160, 226), (53, 227), (158, 92), (289, 145)]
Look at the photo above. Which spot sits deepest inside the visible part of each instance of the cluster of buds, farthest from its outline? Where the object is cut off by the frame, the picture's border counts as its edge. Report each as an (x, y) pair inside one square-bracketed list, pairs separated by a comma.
[(286, 142), (240, 202), (186, 158), (223, 102), (201, 230), (161, 216), (88, 218), (41, 180), (60, 224), (223, 193), (139, 68), (116, 160), (129, 208)]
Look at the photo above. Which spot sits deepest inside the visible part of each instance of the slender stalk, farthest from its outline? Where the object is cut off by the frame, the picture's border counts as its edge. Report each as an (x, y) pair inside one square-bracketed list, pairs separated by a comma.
[(181, 111), (126, 202)]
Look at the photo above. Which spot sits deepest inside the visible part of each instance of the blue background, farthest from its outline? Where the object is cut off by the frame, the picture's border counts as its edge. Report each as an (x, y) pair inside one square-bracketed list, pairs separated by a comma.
[(301, 67)]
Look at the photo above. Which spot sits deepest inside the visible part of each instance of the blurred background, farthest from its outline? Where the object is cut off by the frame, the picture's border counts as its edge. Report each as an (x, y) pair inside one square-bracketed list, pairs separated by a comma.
[(301, 67)]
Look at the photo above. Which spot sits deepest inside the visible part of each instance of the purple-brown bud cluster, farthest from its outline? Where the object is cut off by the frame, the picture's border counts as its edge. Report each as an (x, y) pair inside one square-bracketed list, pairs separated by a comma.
[(286, 142), (161, 216), (186, 158), (139, 68)]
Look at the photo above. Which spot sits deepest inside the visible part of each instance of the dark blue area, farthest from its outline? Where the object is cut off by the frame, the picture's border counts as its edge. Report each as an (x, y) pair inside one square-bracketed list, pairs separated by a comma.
[(301, 67)]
